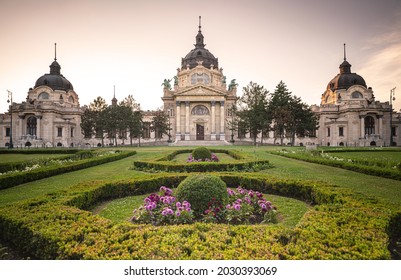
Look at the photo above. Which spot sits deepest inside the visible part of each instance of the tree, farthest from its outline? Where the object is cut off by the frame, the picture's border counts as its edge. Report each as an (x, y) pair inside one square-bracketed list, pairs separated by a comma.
[(134, 122), (160, 124), (232, 120), (290, 115), (254, 112), (93, 120)]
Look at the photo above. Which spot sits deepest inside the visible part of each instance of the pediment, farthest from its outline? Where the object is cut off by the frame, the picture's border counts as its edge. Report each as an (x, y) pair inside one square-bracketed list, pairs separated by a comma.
[(200, 91)]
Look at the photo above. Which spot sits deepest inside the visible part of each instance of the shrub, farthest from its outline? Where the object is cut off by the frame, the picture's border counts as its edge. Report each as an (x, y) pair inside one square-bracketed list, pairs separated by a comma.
[(199, 190), (201, 153)]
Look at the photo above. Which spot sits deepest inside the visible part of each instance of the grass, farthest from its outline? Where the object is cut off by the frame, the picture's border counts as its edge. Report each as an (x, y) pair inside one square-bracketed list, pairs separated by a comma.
[(384, 189), (386, 159)]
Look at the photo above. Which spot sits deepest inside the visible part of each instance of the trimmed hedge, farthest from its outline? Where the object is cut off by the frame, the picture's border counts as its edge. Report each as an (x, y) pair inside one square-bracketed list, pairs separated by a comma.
[(244, 163), (10, 180), (342, 225), (369, 170)]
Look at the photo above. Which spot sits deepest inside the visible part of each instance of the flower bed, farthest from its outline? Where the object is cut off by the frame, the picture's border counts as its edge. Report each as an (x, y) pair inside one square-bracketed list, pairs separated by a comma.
[(342, 225), (244, 207)]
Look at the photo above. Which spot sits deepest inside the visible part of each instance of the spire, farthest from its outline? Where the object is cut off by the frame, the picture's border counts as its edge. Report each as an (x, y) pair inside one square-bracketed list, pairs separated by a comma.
[(114, 100), (199, 37), (345, 56), (55, 67), (345, 67)]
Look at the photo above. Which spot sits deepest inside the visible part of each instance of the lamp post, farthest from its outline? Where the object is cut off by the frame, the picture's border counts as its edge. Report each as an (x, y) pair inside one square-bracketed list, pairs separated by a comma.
[(392, 98), (10, 100)]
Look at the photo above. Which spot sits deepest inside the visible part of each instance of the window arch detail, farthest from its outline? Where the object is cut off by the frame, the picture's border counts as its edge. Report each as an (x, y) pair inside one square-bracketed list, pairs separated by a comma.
[(200, 110)]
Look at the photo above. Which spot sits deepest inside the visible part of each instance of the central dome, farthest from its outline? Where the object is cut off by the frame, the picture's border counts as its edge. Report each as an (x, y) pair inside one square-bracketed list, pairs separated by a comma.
[(345, 79), (54, 80), (199, 55)]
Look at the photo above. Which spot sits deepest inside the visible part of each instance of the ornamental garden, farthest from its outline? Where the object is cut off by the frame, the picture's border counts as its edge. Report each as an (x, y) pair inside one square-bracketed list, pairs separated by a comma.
[(200, 203)]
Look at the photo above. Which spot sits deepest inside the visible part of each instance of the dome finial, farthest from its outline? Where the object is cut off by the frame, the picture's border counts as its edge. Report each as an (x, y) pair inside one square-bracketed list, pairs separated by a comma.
[(55, 51), (345, 56), (200, 25), (199, 37)]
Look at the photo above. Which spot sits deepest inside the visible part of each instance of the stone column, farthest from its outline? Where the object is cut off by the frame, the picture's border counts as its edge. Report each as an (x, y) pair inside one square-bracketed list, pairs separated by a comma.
[(222, 121), (187, 131), (362, 126), (380, 128), (38, 126), (213, 128), (178, 121)]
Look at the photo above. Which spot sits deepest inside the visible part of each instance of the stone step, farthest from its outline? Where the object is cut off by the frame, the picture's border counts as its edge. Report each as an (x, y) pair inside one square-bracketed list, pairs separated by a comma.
[(200, 143)]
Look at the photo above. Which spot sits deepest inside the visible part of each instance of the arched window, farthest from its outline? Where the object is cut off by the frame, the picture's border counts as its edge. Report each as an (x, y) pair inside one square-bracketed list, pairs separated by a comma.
[(356, 95), (369, 125), (44, 95), (31, 125), (200, 110), (200, 78), (71, 99)]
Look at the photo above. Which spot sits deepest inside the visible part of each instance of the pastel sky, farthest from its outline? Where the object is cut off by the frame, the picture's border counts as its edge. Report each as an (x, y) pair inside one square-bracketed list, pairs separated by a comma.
[(135, 45)]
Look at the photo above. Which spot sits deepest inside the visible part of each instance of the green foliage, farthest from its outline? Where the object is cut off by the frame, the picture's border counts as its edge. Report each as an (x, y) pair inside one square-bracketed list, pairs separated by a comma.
[(201, 153), (199, 190)]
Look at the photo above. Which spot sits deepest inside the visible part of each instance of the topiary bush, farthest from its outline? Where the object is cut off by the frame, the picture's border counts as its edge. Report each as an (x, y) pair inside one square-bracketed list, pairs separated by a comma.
[(199, 190), (201, 153)]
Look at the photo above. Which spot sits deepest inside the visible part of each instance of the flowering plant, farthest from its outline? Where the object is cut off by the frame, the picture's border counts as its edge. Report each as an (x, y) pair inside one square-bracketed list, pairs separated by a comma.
[(213, 158), (162, 209), (244, 207)]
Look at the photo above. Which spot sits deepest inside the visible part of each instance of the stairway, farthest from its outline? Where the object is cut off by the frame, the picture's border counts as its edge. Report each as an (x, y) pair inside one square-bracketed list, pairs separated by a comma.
[(201, 143)]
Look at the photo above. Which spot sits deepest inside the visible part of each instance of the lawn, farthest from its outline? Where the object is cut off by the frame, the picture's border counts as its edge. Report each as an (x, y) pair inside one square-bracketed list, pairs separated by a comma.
[(296, 215), (27, 157)]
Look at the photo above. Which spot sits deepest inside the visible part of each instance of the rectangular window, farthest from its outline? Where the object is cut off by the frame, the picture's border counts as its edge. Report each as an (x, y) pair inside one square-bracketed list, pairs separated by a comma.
[(328, 132), (72, 132), (8, 132), (341, 131), (394, 131), (59, 132)]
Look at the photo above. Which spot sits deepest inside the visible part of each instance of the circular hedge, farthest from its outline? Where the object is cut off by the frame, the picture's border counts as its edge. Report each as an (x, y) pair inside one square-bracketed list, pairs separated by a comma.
[(201, 189), (201, 153)]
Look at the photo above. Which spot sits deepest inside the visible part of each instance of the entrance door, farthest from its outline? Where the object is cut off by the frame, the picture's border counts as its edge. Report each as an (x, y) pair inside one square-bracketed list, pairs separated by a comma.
[(200, 132)]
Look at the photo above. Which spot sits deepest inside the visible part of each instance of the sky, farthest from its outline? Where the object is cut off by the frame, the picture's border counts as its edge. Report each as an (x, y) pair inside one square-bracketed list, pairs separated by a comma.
[(134, 44)]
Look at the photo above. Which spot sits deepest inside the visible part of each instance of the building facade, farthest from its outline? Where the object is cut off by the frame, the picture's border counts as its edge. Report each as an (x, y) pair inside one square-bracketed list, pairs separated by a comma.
[(198, 104), (349, 115), (198, 108), (50, 116)]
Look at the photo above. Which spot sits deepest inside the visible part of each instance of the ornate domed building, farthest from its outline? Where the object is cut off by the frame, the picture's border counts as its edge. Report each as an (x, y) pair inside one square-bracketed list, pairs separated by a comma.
[(50, 117), (349, 115), (199, 102)]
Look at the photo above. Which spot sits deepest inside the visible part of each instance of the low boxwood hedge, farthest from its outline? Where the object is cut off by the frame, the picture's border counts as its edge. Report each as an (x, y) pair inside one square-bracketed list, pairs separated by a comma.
[(394, 174), (242, 163), (342, 225), (13, 179)]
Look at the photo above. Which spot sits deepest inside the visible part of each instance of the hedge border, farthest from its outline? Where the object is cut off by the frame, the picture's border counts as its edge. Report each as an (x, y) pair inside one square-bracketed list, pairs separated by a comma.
[(164, 164), (14, 179), (342, 225), (369, 170)]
